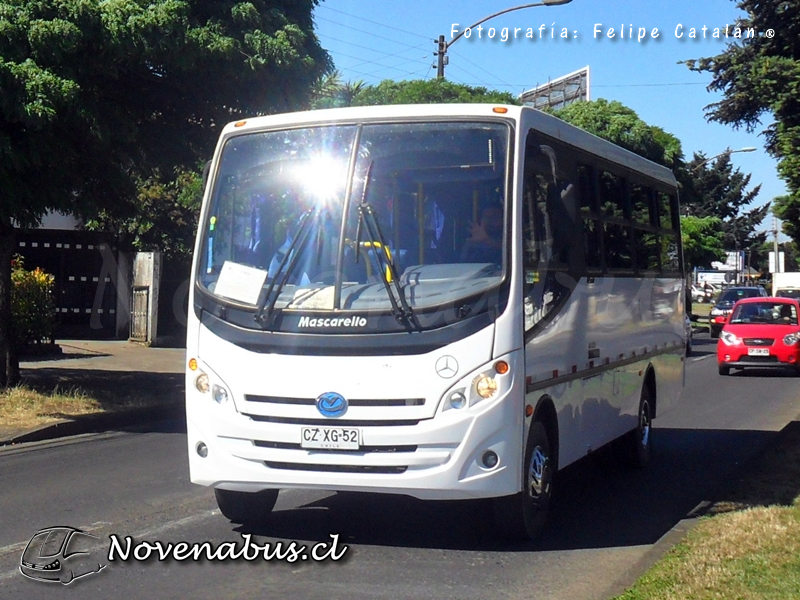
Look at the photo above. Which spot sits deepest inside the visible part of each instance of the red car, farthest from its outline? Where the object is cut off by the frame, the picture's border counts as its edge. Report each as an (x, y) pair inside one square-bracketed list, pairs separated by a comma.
[(762, 333)]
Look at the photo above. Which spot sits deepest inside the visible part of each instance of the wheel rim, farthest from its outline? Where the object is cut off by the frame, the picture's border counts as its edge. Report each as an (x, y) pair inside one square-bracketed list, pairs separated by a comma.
[(536, 472), (644, 423)]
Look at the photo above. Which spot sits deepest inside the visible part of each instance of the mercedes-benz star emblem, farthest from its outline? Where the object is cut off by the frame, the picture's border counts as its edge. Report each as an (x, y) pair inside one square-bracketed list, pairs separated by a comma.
[(446, 367)]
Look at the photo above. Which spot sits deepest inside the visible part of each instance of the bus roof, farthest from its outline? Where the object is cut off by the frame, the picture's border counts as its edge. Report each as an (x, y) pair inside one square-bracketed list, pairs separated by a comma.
[(526, 116)]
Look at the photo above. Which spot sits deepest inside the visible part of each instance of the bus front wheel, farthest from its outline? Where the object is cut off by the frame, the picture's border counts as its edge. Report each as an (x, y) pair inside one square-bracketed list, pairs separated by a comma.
[(523, 515), (246, 507)]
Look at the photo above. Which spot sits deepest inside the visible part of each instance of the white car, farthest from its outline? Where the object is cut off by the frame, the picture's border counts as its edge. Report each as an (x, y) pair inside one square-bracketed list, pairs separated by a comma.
[(700, 294)]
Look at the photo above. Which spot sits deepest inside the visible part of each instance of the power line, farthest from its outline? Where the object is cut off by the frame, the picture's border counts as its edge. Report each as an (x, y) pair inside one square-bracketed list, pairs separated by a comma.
[(375, 62), (368, 33), (375, 22), (482, 69), (650, 84), (386, 54), (528, 85)]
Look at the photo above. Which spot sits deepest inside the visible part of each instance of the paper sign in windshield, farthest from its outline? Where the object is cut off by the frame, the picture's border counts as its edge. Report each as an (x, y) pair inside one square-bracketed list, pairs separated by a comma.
[(240, 282)]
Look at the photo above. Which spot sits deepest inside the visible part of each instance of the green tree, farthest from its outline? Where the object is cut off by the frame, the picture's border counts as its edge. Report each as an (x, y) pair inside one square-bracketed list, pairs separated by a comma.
[(788, 210), (617, 123), (435, 91), (331, 92), (702, 241), (759, 77), (165, 219), (718, 190), (97, 95)]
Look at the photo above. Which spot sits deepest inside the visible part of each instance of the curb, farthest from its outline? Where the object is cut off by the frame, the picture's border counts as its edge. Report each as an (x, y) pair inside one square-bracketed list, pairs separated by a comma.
[(98, 422), (678, 531)]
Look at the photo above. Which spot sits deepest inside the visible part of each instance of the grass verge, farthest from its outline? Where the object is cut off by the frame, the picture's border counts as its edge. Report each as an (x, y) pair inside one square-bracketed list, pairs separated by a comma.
[(24, 407), (747, 546)]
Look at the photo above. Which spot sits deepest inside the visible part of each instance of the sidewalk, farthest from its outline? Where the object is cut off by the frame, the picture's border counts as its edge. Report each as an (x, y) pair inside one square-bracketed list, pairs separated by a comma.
[(102, 368)]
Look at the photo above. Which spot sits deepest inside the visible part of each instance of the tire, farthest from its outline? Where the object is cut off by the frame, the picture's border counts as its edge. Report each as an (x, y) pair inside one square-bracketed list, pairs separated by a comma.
[(714, 334), (640, 440), (724, 371), (688, 348), (523, 516), (246, 507)]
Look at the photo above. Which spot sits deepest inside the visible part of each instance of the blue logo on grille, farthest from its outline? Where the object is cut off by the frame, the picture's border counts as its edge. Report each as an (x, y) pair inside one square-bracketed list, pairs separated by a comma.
[(331, 404)]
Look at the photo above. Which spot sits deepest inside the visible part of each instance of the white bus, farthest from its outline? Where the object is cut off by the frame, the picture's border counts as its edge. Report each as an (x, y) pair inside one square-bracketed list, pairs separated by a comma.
[(443, 301)]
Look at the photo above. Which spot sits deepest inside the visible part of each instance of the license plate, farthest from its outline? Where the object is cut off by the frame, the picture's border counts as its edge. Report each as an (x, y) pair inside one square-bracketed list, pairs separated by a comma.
[(758, 351), (330, 438)]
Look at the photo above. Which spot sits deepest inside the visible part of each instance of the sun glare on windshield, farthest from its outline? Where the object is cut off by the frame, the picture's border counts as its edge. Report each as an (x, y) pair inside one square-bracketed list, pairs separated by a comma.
[(323, 178)]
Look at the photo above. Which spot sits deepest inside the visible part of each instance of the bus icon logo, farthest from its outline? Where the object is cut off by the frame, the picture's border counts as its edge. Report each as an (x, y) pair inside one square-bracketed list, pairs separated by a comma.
[(331, 404), (62, 554)]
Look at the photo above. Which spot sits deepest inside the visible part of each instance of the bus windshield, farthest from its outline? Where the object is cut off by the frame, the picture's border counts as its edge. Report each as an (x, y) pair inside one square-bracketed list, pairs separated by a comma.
[(374, 217)]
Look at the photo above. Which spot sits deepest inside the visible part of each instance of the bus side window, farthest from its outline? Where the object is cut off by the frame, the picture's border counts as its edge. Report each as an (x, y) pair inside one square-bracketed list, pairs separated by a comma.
[(548, 221)]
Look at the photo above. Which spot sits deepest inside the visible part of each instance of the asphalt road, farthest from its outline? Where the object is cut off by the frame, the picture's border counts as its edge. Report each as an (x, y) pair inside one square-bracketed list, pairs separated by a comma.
[(605, 524)]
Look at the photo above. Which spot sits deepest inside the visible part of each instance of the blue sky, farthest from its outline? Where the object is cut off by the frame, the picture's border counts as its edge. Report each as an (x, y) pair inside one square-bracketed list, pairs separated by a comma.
[(372, 40)]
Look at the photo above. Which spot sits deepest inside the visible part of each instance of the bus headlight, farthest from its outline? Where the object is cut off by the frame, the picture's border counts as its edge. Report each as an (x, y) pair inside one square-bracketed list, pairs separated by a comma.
[(485, 386), (458, 399), (202, 384), (219, 393)]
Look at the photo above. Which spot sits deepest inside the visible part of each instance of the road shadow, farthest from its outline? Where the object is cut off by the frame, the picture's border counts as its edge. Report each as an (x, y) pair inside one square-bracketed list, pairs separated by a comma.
[(769, 373), (127, 398), (768, 479), (58, 357), (597, 503), (704, 345)]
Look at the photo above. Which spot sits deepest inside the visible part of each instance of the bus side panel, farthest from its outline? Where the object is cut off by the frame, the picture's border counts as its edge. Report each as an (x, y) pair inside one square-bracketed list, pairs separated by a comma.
[(592, 358)]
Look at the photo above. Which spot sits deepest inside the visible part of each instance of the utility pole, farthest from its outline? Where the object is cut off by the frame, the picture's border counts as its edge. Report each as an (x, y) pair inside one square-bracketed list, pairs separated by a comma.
[(442, 46), (777, 268), (441, 53)]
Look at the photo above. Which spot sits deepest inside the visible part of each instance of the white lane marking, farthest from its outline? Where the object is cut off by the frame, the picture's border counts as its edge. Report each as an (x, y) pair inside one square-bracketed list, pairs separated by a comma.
[(698, 358)]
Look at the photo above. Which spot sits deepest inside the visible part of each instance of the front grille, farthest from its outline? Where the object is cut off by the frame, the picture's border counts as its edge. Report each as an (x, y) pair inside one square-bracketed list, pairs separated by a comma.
[(758, 341), (335, 468), (362, 449), (336, 423), (356, 402)]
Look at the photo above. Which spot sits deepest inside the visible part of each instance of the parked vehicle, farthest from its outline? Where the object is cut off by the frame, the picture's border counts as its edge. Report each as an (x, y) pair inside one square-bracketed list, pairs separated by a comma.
[(725, 302), (698, 295), (788, 293), (762, 333), (704, 292), (786, 285)]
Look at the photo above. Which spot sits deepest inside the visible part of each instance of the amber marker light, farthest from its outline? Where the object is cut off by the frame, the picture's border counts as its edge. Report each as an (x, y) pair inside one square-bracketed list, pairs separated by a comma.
[(500, 110), (239, 123), (528, 410), (193, 364), (501, 367)]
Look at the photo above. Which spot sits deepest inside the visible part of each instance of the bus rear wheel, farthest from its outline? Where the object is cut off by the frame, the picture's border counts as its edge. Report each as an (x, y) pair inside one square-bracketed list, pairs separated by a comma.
[(246, 507), (640, 443), (523, 515)]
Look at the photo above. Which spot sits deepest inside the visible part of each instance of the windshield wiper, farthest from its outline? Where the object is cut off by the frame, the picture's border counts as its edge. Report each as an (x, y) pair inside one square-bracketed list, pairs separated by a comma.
[(401, 310), (266, 307)]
